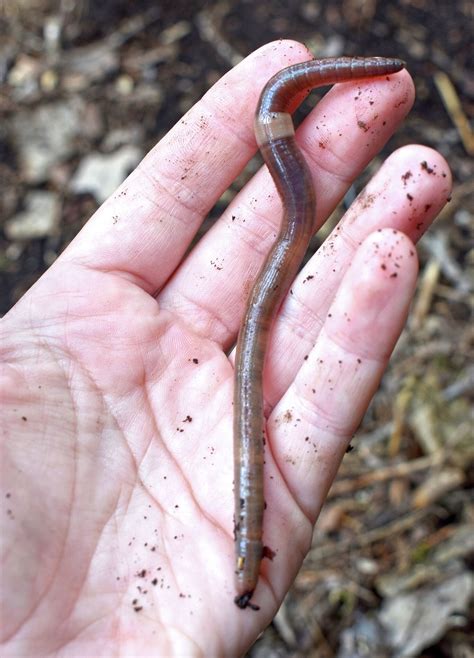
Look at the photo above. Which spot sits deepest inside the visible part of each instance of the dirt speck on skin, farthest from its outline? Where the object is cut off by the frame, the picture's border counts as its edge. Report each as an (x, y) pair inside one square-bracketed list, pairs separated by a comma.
[(406, 177), (425, 166)]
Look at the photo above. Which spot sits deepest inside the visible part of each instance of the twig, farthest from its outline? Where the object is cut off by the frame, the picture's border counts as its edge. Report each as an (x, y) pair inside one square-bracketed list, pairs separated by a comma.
[(426, 291), (209, 22), (396, 527), (436, 244), (453, 107), (400, 408), (463, 385), (404, 469)]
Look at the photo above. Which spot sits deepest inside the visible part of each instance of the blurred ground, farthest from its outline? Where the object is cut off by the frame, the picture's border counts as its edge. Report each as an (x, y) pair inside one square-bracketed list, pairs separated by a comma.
[(87, 88)]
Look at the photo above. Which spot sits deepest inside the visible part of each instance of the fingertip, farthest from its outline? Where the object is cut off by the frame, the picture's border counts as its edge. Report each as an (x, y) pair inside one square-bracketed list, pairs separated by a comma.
[(425, 160), (279, 54), (375, 294), (424, 183), (288, 46), (392, 255), (406, 193)]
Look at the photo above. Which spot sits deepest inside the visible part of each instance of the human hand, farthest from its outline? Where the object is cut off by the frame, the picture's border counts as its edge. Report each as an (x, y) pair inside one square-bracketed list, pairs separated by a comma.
[(116, 387)]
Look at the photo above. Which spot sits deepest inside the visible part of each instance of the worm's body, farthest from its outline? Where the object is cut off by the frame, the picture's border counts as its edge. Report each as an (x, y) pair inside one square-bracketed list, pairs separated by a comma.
[(275, 137)]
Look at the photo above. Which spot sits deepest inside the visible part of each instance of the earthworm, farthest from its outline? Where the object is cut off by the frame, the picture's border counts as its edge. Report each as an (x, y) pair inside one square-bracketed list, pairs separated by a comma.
[(274, 132)]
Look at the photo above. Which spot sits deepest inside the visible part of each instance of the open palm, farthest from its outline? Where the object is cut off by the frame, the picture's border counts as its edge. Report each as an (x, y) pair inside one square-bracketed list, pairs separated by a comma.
[(116, 384)]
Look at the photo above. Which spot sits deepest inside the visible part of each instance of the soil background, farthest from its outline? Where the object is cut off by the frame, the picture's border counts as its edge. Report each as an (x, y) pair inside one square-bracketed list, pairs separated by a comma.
[(389, 573)]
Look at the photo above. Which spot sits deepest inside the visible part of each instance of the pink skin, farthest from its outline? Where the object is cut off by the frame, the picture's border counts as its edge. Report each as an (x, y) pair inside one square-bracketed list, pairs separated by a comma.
[(116, 389)]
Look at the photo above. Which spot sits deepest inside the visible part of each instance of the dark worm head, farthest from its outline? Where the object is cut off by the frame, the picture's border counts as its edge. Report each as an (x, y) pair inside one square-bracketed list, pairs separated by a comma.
[(242, 601)]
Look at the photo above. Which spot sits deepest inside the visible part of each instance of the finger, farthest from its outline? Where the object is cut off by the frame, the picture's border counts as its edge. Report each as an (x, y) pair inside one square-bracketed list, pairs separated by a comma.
[(211, 286), (407, 193), (146, 226), (313, 423)]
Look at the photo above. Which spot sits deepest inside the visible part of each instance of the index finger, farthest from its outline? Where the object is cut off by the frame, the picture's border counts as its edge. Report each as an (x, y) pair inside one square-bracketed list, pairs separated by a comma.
[(146, 226)]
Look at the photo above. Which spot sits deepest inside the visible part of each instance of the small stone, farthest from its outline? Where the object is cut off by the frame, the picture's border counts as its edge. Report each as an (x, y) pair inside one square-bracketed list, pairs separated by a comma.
[(367, 567), (100, 174), (124, 85), (418, 619), (25, 70), (39, 219), (175, 32), (45, 137), (49, 80)]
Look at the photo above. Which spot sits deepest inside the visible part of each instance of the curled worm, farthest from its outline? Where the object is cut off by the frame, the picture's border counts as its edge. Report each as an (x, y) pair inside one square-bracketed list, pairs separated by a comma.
[(275, 137)]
